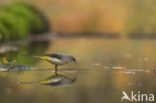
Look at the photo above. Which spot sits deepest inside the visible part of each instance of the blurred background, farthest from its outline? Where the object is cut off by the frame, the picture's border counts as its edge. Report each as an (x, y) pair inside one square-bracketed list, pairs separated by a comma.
[(123, 17), (112, 40)]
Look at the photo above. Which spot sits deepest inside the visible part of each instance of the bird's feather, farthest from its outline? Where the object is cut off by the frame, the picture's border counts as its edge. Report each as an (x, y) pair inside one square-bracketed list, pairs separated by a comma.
[(54, 55)]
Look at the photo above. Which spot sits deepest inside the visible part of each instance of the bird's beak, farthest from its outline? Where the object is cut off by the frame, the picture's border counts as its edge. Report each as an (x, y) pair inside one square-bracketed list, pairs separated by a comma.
[(75, 61)]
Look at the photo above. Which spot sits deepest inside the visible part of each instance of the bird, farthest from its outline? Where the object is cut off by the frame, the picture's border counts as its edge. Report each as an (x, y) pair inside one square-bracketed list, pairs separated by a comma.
[(58, 59)]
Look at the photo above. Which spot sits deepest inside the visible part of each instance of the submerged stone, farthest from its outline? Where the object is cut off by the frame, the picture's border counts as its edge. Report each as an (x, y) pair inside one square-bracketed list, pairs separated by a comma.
[(15, 67)]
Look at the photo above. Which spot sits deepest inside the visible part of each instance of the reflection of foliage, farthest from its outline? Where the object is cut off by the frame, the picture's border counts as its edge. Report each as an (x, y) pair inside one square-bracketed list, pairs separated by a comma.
[(25, 53), (19, 19)]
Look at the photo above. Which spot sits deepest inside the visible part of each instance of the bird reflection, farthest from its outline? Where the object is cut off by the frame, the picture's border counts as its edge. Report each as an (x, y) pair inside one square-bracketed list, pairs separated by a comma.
[(58, 80)]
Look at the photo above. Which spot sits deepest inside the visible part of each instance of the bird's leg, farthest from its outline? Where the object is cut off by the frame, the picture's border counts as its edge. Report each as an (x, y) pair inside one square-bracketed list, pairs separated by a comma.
[(56, 69)]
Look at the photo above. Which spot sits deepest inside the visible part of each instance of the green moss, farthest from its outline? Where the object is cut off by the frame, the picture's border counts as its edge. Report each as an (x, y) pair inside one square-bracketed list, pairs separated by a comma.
[(19, 20), (17, 27), (34, 20)]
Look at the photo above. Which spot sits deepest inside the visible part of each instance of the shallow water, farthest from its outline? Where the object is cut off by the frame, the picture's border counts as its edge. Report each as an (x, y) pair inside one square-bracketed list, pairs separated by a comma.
[(105, 68)]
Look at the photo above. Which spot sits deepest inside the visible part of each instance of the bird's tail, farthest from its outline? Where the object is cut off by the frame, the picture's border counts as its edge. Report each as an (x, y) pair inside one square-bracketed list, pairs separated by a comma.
[(42, 57)]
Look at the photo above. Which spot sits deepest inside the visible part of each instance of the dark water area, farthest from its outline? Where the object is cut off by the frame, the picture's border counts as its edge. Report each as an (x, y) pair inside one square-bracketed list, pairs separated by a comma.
[(106, 68)]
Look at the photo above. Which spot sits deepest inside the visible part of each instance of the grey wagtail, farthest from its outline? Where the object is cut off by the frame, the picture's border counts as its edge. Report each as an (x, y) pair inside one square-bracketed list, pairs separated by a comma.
[(58, 59)]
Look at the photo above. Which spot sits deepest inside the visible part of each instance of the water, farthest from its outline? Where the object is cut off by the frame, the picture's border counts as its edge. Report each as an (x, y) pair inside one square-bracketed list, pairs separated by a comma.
[(105, 68)]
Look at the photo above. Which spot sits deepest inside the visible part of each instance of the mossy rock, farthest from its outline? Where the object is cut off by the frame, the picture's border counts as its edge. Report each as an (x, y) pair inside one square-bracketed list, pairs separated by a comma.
[(17, 27), (19, 20)]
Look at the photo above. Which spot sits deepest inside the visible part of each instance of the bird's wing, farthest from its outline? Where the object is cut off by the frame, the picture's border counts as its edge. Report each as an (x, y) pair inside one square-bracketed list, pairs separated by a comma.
[(57, 56)]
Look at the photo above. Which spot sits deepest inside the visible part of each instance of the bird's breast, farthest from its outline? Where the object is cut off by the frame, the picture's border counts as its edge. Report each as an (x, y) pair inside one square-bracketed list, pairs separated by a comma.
[(57, 61)]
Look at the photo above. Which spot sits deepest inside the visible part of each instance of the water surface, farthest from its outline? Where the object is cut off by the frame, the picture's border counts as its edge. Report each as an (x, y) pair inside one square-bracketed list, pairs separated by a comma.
[(105, 68)]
